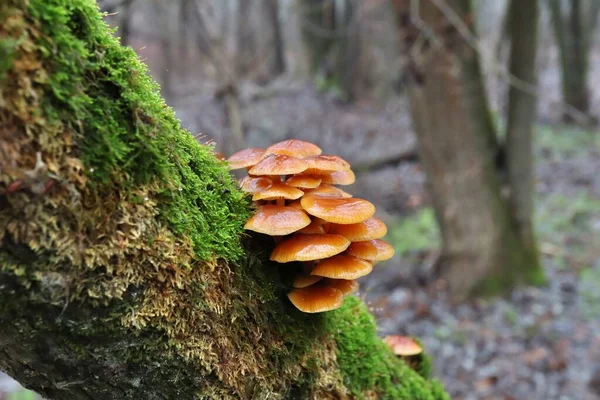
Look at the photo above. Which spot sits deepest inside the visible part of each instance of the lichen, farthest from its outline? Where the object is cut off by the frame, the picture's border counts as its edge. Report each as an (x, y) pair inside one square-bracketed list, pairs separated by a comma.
[(121, 238)]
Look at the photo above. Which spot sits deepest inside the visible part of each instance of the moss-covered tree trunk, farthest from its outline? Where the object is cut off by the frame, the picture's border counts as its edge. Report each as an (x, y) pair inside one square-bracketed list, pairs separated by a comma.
[(121, 269), (483, 251)]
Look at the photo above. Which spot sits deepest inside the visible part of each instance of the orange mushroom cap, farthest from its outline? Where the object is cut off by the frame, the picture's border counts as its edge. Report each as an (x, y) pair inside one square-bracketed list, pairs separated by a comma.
[(295, 204), (277, 164), (403, 345), (325, 190), (309, 248), (294, 148), (372, 250), (303, 181), (343, 285), (338, 211), (277, 220), (253, 185), (342, 267), (372, 228), (317, 226), (302, 281), (339, 178), (245, 158), (324, 163), (278, 191), (314, 299)]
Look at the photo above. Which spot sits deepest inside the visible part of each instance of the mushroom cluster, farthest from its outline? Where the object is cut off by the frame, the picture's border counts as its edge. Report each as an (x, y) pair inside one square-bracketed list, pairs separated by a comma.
[(335, 236)]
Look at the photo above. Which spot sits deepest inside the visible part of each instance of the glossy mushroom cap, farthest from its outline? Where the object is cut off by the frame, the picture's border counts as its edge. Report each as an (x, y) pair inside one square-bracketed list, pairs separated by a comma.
[(339, 211), (302, 281), (277, 220), (403, 346), (317, 226), (277, 164), (245, 158), (294, 148), (309, 248), (339, 178), (303, 182), (324, 164), (372, 228), (278, 191), (343, 285), (314, 299), (342, 267), (372, 250), (326, 190), (253, 185)]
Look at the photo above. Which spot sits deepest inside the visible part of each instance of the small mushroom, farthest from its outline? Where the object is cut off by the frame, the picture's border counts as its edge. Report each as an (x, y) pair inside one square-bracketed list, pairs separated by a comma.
[(253, 185), (338, 211), (342, 267), (309, 248), (372, 228), (325, 164), (343, 285), (403, 345), (339, 178), (325, 190), (277, 164), (294, 148), (278, 191), (303, 182), (316, 227), (314, 299), (372, 250), (277, 220), (245, 158), (302, 281)]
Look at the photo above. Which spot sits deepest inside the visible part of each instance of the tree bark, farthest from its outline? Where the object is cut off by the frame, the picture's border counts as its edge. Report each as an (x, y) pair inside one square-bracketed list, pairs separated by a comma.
[(122, 273), (521, 116), (277, 64), (482, 249), (331, 34), (572, 34)]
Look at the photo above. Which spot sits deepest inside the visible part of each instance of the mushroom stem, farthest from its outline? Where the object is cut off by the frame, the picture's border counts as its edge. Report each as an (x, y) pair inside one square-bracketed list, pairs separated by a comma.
[(280, 202)]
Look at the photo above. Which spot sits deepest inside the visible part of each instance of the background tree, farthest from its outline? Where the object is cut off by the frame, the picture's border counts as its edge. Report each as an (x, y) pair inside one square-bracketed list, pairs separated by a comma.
[(331, 32), (122, 274), (484, 214), (574, 23)]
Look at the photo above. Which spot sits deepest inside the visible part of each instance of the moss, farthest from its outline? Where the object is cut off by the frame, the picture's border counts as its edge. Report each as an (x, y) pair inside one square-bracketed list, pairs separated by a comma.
[(366, 363), (121, 240)]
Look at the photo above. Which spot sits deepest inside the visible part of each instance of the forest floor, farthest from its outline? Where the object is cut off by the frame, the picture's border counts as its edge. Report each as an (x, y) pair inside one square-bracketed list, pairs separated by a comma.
[(538, 343)]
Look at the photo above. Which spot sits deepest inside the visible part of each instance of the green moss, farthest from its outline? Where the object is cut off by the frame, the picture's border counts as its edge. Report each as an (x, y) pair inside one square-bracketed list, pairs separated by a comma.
[(368, 365), (129, 131), (122, 244)]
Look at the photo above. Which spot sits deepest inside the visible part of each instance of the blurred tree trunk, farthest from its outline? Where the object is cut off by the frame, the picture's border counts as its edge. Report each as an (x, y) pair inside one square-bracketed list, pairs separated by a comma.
[(125, 22), (523, 22), (277, 66), (213, 48), (573, 27), (246, 56), (331, 34), (483, 251), (348, 61)]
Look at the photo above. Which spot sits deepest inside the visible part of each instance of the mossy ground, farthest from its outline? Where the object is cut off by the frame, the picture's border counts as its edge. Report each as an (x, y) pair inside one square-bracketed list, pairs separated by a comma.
[(120, 239)]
